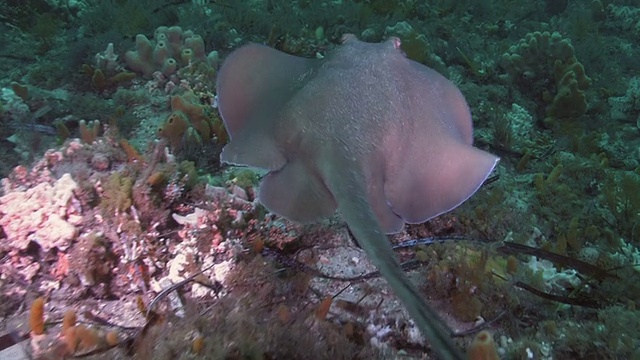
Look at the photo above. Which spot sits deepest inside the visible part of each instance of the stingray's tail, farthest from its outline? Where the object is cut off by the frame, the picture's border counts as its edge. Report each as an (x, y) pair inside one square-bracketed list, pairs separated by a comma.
[(352, 201)]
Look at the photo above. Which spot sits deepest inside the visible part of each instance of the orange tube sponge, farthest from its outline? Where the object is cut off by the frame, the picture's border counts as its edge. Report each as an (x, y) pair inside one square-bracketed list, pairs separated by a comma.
[(191, 122), (69, 320), (36, 316), (111, 338), (483, 347)]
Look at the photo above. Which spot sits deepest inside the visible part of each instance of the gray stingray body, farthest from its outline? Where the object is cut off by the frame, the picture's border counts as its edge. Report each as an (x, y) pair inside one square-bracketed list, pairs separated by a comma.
[(365, 130)]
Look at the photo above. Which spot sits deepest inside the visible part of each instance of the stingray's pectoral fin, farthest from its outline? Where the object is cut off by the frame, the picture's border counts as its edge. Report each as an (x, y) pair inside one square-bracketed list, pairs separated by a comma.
[(253, 150), (440, 183), (254, 83), (389, 221), (296, 193)]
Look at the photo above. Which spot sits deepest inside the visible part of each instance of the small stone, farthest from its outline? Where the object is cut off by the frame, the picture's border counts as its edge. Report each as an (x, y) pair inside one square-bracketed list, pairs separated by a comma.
[(100, 162)]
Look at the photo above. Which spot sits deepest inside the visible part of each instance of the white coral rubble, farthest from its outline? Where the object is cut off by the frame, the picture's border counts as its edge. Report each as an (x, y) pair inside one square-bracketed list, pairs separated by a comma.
[(42, 214)]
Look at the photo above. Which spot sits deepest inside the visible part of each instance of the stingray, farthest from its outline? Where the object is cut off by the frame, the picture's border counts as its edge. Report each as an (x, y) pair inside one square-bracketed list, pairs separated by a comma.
[(364, 130)]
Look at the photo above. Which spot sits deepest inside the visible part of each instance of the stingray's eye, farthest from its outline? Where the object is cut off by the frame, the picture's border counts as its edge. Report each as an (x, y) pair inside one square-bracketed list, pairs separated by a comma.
[(528, 75)]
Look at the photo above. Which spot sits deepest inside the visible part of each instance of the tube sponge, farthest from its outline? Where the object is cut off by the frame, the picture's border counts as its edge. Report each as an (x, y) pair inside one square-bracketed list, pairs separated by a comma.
[(140, 59), (170, 46), (196, 43), (169, 66), (36, 316), (483, 347), (191, 122), (160, 52)]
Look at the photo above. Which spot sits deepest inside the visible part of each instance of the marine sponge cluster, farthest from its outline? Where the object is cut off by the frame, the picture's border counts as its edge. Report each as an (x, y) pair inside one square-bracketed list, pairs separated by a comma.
[(540, 55), (170, 49), (191, 122), (73, 339), (571, 83), (534, 51)]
